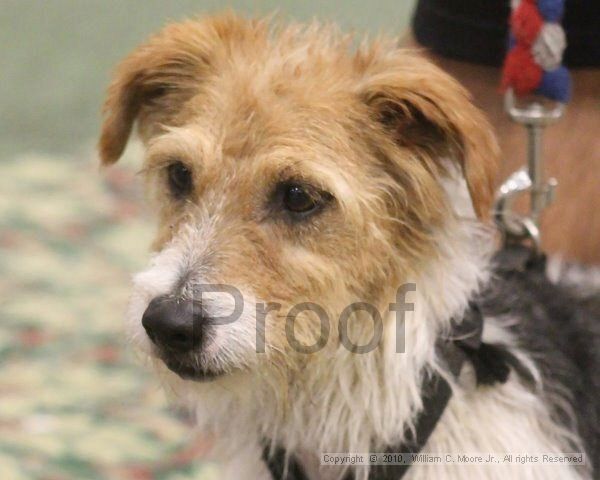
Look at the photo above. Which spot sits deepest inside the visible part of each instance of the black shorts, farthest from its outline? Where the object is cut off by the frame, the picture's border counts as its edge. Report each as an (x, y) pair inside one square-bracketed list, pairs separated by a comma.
[(477, 30)]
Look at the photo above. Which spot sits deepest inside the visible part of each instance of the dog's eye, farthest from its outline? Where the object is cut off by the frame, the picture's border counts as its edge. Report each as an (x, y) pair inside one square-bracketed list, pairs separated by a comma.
[(180, 179), (296, 199)]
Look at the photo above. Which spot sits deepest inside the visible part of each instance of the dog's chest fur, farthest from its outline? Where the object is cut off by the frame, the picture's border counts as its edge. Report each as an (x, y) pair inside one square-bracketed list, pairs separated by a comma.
[(553, 414)]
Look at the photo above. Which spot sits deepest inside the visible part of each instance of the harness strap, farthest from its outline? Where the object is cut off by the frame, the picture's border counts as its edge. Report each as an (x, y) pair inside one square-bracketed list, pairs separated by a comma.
[(464, 343)]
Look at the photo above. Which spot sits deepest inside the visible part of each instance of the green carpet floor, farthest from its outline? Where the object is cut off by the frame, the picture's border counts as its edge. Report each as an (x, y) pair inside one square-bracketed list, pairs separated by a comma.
[(74, 404)]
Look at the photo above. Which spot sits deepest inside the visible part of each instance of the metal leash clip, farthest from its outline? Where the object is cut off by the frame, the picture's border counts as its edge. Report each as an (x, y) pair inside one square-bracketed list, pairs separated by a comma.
[(535, 116)]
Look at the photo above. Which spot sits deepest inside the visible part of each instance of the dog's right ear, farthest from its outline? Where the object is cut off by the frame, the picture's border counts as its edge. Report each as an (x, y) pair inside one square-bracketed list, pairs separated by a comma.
[(427, 111), (150, 85)]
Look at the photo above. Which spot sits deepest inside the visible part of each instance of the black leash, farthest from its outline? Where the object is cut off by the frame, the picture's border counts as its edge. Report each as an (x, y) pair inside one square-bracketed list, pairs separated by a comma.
[(492, 364)]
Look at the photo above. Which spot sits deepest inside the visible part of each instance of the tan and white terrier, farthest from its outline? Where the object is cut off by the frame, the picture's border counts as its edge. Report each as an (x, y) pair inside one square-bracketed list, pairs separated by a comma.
[(296, 174)]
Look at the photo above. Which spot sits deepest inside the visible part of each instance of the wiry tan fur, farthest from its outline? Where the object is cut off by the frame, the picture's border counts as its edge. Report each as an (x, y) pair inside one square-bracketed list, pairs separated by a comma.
[(409, 161)]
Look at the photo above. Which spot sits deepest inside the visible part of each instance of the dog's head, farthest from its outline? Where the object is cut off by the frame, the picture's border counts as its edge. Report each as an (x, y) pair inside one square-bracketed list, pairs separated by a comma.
[(285, 168)]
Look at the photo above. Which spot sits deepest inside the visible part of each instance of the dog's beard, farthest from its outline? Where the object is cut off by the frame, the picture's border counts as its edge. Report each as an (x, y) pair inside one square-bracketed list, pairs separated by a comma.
[(194, 365)]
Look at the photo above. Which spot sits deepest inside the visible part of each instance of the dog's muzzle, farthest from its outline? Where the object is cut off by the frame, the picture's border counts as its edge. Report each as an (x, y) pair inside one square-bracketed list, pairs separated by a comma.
[(178, 327)]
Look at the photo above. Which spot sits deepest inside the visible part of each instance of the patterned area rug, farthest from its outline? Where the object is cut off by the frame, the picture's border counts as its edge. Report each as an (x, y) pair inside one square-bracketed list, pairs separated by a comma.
[(73, 402)]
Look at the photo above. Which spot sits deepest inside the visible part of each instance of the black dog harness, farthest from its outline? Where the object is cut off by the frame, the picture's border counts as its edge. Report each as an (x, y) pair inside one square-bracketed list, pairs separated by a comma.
[(492, 364)]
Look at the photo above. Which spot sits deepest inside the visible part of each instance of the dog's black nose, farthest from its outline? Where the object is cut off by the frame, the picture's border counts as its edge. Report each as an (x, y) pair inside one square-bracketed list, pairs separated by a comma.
[(173, 323)]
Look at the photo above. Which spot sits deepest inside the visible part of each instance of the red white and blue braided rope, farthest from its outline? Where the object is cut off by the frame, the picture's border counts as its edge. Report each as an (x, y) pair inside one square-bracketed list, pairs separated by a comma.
[(536, 46)]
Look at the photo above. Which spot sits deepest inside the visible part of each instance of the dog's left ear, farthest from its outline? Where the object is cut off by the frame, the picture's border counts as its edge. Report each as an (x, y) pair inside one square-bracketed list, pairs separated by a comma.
[(427, 111), (151, 84)]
